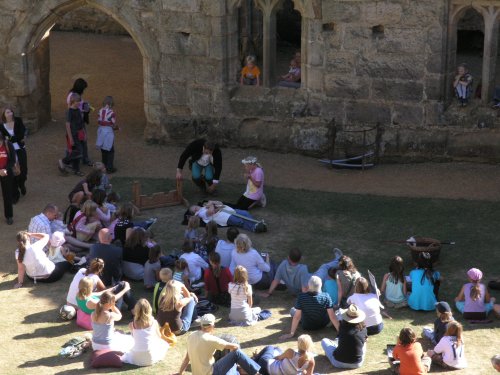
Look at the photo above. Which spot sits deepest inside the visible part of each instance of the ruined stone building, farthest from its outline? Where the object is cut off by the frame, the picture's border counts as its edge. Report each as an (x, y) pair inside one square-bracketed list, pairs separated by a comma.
[(363, 62)]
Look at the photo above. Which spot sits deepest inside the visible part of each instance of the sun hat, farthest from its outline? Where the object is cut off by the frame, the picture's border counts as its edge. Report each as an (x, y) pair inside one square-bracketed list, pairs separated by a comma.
[(443, 307), (207, 320), (353, 314), (57, 239), (250, 160), (475, 274)]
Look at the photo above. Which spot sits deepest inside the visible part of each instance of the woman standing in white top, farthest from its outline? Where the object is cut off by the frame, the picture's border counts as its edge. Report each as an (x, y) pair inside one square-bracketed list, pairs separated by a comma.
[(259, 275), (32, 260), (368, 303), (242, 311)]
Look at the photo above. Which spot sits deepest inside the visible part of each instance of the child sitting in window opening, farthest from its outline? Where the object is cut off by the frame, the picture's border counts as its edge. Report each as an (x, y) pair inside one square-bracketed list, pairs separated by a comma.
[(250, 74)]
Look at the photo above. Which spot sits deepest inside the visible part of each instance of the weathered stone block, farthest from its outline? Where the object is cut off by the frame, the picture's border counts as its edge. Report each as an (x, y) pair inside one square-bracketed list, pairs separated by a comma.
[(435, 38), (339, 86), (434, 88), (387, 89), (247, 105), (367, 113), (434, 63), (182, 5), (341, 62), (407, 115), (401, 40), (175, 93), (213, 8), (358, 38), (434, 113), (392, 67), (201, 101), (333, 109), (218, 46), (381, 12), (177, 22), (201, 24), (340, 11)]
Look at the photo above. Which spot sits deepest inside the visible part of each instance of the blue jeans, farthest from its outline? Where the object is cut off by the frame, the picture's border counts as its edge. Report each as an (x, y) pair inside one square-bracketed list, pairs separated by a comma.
[(197, 170), (265, 355), (460, 305), (329, 347), (322, 271), (235, 221), (226, 363), (187, 315), (374, 330)]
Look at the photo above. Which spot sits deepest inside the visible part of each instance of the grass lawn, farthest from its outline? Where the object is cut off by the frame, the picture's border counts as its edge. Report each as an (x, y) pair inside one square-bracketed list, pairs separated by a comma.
[(313, 221)]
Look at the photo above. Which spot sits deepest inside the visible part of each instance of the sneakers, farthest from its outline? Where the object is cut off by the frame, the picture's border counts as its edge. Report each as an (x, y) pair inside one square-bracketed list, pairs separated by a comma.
[(196, 323), (61, 166), (260, 227), (263, 201), (81, 261), (337, 253)]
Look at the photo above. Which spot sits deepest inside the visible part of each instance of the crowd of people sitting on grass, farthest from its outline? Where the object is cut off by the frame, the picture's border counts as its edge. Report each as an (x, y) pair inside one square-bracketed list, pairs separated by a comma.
[(103, 244)]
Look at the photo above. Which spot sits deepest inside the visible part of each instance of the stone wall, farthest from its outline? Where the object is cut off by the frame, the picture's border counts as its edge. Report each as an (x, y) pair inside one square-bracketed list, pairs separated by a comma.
[(89, 20), (364, 61)]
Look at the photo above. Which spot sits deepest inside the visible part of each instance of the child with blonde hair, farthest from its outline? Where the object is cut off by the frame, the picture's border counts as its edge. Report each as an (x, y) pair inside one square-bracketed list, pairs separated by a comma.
[(149, 347), (191, 233), (242, 312), (57, 252), (474, 300), (106, 119), (274, 361), (250, 74), (87, 222), (449, 352)]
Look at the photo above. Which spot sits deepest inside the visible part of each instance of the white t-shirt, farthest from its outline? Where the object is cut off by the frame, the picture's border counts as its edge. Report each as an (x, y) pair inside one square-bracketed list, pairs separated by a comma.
[(445, 347), (253, 262), (221, 217), (195, 264), (370, 305), (225, 250), (238, 297), (73, 287), (36, 261)]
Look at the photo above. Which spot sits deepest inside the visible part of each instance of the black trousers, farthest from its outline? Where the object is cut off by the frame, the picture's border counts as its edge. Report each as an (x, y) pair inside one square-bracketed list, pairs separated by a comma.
[(108, 158), (7, 183), (243, 203), (20, 181), (61, 268)]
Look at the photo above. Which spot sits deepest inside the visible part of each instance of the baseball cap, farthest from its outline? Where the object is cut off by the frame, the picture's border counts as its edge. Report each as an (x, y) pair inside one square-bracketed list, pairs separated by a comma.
[(207, 320), (443, 306)]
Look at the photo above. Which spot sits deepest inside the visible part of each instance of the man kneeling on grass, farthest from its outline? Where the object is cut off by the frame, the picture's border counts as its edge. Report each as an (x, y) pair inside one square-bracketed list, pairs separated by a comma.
[(201, 346)]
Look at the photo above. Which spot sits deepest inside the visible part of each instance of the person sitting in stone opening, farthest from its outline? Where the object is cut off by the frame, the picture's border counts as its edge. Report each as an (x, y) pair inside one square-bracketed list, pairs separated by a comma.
[(292, 78), (463, 84), (226, 216), (205, 164), (250, 74)]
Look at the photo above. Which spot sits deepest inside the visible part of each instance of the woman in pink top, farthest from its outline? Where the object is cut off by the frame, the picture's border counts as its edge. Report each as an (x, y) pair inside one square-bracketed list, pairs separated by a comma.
[(474, 299), (254, 193)]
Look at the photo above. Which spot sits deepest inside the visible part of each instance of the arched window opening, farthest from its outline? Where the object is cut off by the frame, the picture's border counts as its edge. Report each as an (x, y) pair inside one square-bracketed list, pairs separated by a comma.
[(288, 45)]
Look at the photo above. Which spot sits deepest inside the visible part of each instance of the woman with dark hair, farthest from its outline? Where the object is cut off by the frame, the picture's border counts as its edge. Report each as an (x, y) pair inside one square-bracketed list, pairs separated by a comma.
[(83, 189), (347, 275), (79, 87), (7, 161), (424, 284), (103, 213), (135, 254), (93, 271), (32, 260), (14, 130), (348, 350)]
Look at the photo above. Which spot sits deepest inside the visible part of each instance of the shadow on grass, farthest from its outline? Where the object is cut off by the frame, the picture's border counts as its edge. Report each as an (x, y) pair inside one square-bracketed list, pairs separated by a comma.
[(49, 332)]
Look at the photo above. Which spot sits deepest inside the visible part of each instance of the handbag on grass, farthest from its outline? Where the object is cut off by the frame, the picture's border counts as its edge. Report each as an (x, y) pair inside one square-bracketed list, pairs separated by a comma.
[(168, 335)]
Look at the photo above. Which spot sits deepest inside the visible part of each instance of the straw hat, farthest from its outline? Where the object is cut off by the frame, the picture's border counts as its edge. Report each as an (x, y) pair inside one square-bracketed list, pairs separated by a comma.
[(353, 314)]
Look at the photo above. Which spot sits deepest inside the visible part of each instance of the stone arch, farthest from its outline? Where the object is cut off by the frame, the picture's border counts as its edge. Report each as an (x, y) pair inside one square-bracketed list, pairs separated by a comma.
[(28, 38)]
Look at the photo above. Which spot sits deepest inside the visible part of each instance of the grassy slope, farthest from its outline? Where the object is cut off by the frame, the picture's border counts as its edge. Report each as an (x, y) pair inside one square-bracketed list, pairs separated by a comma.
[(314, 222)]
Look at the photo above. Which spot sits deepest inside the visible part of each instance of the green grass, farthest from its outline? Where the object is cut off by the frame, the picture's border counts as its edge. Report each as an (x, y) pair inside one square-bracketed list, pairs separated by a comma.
[(315, 222)]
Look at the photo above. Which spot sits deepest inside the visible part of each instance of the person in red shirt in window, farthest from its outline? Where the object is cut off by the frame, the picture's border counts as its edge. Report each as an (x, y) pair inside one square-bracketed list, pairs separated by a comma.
[(7, 161)]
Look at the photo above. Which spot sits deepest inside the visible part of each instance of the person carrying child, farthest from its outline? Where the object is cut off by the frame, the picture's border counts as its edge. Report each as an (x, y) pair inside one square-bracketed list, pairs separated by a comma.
[(424, 284), (474, 300), (250, 74), (76, 137), (394, 284), (106, 119)]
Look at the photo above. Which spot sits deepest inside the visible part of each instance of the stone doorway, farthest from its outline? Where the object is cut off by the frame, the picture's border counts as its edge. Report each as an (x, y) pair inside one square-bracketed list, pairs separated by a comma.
[(30, 54), (289, 34)]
